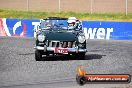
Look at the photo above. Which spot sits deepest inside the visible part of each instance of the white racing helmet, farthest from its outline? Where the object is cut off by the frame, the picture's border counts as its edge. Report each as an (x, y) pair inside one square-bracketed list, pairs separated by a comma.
[(72, 22)]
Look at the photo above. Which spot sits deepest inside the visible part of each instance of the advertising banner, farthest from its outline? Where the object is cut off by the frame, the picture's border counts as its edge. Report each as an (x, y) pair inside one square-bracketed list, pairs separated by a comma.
[(107, 30), (93, 29), (18, 27)]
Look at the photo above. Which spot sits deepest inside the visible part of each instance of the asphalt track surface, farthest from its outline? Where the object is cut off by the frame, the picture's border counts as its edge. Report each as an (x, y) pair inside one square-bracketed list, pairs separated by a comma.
[(18, 68)]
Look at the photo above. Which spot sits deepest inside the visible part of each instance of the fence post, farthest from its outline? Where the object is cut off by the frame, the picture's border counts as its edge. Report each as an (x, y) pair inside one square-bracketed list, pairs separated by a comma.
[(91, 6), (126, 7), (59, 6), (27, 5)]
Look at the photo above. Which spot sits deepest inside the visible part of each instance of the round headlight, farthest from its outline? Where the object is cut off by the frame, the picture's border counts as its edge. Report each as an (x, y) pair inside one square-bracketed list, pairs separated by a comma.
[(81, 38), (41, 38)]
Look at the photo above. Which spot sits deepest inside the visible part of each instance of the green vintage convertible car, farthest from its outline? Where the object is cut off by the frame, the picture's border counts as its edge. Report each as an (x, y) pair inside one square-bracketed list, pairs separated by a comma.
[(57, 35)]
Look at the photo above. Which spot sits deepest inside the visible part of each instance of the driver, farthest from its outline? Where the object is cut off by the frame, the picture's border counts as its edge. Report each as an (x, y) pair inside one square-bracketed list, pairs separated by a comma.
[(48, 24), (73, 23)]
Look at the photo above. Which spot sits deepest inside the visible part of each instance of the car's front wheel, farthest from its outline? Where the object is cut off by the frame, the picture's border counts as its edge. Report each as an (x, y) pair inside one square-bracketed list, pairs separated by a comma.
[(38, 55), (80, 56)]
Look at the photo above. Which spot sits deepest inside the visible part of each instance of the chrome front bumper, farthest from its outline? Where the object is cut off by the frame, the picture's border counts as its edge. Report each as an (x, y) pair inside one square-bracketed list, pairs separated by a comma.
[(53, 48)]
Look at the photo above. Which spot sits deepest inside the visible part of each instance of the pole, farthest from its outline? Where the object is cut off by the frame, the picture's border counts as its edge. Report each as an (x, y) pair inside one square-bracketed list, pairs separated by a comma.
[(126, 7), (59, 6), (91, 6), (27, 5)]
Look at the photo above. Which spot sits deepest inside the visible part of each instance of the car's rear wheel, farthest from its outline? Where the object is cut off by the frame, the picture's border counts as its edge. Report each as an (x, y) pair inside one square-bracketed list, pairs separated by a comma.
[(38, 55)]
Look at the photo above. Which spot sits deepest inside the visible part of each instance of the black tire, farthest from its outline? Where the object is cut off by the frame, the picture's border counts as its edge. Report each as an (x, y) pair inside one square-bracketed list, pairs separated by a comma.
[(38, 55), (80, 56), (47, 54), (81, 80)]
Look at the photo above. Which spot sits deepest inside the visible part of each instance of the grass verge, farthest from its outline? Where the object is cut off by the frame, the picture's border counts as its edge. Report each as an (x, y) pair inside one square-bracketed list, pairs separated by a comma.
[(81, 16)]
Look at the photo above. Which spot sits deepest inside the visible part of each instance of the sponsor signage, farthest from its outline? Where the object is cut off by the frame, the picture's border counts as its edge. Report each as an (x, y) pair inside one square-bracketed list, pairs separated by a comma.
[(82, 77), (93, 29)]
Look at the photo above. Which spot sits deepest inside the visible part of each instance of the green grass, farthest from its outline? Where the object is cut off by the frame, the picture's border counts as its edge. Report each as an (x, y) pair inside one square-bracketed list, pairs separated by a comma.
[(81, 16)]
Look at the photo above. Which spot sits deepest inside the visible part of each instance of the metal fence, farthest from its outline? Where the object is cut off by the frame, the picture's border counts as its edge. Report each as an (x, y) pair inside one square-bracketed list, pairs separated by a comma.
[(90, 6)]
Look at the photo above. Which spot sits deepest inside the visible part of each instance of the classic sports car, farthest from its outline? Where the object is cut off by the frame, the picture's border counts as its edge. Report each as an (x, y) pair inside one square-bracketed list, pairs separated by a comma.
[(54, 36)]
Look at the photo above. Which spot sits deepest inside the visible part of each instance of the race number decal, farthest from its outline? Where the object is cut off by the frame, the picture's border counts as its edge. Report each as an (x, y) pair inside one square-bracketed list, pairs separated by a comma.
[(61, 50)]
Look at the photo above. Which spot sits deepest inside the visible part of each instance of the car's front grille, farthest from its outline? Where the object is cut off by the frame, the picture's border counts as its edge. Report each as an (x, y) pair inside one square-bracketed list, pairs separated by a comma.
[(64, 44)]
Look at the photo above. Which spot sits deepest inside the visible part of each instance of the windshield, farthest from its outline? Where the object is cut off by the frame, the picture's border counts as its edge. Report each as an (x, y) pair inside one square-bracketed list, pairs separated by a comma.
[(47, 24)]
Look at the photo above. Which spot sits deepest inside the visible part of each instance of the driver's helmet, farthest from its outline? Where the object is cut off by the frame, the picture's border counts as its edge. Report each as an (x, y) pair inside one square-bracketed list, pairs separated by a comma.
[(72, 22)]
